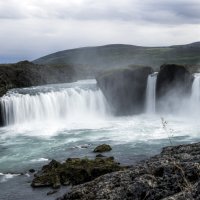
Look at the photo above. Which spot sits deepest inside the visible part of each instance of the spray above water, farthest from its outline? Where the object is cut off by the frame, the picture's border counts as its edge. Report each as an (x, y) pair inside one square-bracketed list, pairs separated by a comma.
[(74, 102), (49, 119)]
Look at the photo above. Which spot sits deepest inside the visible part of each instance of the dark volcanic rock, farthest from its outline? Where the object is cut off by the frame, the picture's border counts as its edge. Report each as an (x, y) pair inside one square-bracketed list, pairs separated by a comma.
[(26, 74), (74, 171), (102, 148), (31, 170), (100, 156), (52, 192), (173, 83), (172, 175), (125, 89)]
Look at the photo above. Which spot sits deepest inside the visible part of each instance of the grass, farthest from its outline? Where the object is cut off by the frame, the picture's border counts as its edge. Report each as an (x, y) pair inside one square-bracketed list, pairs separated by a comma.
[(187, 185), (168, 130), (106, 56)]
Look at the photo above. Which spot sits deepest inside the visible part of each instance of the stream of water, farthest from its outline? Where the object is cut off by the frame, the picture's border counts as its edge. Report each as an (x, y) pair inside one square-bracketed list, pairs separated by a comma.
[(70, 120)]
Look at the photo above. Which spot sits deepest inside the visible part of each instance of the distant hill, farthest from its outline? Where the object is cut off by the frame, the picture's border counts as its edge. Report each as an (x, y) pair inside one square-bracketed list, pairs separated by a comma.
[(90, 60)]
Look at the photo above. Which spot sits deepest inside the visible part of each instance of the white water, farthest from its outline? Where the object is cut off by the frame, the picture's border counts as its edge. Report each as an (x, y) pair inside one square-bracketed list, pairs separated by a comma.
[(51, 121), (5, 177), (70, 120), (151, 93), (195, 95), (68, 104)]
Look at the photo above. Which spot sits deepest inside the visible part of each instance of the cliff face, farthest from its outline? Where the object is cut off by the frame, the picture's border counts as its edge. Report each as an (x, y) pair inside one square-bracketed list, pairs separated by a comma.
[(173, 77), (125, 89), (26, 74), (173, 82)]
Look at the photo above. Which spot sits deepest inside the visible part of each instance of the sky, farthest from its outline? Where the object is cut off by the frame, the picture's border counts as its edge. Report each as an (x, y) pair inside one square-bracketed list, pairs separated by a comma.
[(30, 29)]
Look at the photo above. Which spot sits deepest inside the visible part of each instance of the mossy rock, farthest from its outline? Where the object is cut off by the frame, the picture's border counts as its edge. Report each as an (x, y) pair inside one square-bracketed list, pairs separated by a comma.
[(74, 171), (102, 148)]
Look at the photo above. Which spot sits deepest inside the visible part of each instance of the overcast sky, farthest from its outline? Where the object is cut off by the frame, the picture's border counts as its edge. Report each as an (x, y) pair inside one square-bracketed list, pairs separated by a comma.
[(32, 28)]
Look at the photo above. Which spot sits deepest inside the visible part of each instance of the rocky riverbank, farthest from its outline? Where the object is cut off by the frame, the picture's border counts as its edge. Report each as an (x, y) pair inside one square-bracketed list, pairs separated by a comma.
[(74, 171), (27, 74), (174, 174)]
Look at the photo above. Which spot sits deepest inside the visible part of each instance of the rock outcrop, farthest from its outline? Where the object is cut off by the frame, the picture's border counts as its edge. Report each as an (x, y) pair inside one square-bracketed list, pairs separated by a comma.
[(172, 175), (74, 171), (26, 74), (102, 148), (125, 89), (173, 83)]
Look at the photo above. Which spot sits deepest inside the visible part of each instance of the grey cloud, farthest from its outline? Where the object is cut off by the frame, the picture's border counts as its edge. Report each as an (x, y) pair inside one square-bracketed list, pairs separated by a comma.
[(31, 39), (137, 11), (173, 12), (32, 28), (10, 10)]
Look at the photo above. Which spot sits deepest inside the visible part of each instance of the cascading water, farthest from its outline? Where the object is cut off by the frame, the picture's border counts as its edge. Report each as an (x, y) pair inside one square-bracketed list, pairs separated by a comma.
[(69, 120), (195, 95), (151, 93), (65, 104)]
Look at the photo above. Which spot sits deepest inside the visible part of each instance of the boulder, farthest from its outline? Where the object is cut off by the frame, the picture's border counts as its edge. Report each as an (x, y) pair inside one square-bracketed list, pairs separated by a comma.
[(102, 148), (173, 84), (31, 170), (74, 171), (125, 89), (100, 156), (52, 192)]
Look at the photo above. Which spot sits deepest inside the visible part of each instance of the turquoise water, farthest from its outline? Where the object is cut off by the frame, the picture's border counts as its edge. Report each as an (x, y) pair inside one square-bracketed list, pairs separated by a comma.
[(32, 142)]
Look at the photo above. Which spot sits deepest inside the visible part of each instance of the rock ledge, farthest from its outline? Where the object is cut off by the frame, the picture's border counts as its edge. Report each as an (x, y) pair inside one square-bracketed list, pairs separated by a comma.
[(172, 175)]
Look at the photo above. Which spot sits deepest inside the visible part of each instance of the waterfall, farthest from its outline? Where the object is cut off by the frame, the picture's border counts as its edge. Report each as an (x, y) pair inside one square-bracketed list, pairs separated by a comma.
[(66, 104), (195, 95), (151, 93)]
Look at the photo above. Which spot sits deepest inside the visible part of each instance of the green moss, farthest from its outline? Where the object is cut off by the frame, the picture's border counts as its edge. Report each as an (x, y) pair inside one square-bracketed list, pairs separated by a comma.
[(74, 171), (102, 148)]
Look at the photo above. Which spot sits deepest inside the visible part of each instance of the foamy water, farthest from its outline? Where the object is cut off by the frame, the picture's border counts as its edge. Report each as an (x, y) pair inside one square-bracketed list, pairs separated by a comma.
[(50, 122)]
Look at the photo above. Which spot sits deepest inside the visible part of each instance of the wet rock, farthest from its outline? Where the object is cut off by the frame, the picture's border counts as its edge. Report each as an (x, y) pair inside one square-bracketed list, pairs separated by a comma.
[(102, 148), (85, 146), (74, 171), (31, 170), (125, 89), (170, 175), (52, 192), (173, 82), (99, 156)]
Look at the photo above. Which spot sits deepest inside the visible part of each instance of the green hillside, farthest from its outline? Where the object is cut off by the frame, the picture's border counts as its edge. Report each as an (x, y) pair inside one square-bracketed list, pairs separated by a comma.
[(90, 60)]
